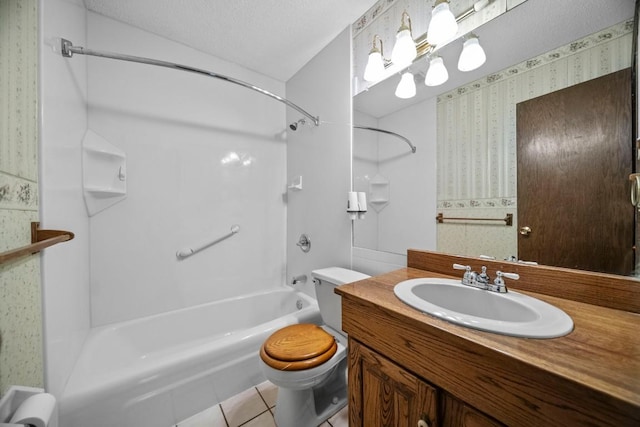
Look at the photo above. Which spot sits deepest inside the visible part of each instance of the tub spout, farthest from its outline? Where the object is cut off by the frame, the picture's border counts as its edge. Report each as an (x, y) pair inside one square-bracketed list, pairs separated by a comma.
[(299, 279)]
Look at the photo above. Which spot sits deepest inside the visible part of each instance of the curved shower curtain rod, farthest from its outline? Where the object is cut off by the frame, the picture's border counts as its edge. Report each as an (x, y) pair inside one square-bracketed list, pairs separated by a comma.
[(68, 49), (388, 132)]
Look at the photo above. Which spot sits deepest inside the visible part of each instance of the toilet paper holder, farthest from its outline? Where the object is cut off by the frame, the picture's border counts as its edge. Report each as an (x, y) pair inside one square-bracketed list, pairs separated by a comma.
[(27, 406)]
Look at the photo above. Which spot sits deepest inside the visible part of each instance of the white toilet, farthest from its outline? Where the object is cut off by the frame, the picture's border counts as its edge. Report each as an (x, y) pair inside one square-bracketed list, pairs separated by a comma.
[(308, 362)]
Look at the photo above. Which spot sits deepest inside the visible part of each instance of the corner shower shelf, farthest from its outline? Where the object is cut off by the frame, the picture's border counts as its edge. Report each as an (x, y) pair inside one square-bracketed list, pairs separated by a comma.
[(40, 239), (105, 191), (379, 192), (103, 172)]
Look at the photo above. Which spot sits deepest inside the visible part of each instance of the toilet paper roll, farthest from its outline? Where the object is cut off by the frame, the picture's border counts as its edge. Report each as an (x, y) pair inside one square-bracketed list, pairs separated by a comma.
[(36, 410), (362, 201), (352, 202)]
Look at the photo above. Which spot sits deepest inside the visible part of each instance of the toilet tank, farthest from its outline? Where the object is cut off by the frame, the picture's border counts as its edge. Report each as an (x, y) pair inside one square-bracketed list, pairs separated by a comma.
[(330, 303)]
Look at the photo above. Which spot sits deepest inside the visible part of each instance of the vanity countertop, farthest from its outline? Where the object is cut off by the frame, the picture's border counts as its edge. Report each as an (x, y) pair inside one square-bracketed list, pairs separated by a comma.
[(596, 367)]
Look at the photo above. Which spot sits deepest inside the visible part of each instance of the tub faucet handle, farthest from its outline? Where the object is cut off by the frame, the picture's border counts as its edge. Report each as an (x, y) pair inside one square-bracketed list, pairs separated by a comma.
[(299, 279)]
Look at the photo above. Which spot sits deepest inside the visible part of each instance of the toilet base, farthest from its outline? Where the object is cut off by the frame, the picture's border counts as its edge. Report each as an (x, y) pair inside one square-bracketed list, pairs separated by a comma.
[(311, 407)]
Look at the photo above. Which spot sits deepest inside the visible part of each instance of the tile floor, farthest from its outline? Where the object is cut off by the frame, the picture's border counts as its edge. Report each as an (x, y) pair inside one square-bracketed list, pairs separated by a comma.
[(251, 408)]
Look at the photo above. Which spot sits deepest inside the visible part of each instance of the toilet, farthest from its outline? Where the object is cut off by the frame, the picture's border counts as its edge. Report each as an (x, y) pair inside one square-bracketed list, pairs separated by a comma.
[(308, 362)]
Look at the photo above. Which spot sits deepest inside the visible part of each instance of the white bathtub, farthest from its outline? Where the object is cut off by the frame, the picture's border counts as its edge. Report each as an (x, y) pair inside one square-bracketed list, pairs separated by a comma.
[(161, 369)]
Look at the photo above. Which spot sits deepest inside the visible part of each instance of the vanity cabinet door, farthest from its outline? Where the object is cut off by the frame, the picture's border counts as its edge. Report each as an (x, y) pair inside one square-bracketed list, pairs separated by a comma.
[(382, 394), (456, 413)]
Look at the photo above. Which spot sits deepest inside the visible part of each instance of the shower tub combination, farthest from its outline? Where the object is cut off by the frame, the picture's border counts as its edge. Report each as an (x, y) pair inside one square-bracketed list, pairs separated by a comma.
[(159, 370)]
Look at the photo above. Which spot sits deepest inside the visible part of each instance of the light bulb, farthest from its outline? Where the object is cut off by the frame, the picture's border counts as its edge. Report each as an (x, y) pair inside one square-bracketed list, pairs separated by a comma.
[(375, 66), (407, 86), (472, 55), (404, 51), (443, 26), (437, 72)]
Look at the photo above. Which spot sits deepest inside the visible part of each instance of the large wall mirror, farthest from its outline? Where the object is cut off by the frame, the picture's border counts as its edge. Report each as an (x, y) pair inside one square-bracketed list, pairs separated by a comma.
[(466, 163)]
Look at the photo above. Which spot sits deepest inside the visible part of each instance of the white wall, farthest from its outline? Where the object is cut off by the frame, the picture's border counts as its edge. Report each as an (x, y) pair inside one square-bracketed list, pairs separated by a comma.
[(365, 168), (412, 179), (65, 267), (322, 156), (176, 129), (408, 220)]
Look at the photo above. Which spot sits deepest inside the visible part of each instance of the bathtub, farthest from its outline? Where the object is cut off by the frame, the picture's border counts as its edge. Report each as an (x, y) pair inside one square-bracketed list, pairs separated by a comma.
[(159, 370)]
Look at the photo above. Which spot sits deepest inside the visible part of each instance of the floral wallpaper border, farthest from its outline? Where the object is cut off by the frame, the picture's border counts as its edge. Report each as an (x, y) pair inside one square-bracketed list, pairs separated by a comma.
[(17, 193), (605, 35), (370, 15), (503, 202)]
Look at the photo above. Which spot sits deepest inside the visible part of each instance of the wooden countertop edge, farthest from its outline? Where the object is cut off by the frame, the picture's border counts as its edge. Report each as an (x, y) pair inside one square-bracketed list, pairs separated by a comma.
[(535, 353)]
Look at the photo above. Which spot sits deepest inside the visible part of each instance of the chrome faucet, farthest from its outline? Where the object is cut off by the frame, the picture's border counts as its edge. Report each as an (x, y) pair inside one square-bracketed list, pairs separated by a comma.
[(473, 279), (482, 281)]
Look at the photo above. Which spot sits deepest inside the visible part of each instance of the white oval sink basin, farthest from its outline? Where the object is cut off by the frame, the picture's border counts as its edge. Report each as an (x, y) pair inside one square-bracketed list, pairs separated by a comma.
[(510, 313)]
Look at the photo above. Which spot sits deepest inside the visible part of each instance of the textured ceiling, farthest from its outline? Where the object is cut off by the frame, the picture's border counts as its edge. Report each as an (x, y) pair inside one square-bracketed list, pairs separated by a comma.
[(273, 37)]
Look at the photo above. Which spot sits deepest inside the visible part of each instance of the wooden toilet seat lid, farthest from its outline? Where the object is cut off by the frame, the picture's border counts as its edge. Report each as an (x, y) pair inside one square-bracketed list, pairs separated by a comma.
[(297, 347)]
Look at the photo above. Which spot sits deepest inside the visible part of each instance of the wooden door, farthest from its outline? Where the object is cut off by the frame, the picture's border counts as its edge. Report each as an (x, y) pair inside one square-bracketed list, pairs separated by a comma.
[(574, 149), (383, 394)]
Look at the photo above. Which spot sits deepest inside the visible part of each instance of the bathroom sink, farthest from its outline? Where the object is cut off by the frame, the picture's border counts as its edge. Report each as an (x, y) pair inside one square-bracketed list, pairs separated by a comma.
[(510, 313)]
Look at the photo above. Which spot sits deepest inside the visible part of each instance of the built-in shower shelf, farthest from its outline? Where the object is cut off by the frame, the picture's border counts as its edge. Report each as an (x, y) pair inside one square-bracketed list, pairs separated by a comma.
[(105, 191), (379, 192), (104, 152), (103, 173)]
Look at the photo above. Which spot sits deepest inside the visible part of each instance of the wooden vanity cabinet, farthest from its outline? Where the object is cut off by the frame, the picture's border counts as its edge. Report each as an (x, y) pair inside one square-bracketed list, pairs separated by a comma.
[(405, 366), (384, 394), (456, 413)]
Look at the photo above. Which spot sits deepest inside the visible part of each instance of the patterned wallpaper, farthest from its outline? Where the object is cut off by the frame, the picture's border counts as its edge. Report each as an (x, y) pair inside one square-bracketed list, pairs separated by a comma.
[(20, 296), (477, 136)]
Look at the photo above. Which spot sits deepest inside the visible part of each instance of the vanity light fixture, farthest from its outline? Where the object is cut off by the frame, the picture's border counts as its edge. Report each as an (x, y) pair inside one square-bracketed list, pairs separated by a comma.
[(472, 55), (404, 50), (376, 63), (437, 73), (442, 29), (443, 26), (407, 86)]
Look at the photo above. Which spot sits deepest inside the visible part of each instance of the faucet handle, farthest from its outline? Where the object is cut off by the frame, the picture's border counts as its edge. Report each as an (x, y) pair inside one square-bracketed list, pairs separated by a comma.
[(468, 275), (512, 276), (498, 283)]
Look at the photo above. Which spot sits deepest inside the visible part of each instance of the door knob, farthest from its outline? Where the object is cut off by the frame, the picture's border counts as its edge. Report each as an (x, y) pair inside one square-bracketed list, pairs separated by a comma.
[(525, 231), (423, 423)]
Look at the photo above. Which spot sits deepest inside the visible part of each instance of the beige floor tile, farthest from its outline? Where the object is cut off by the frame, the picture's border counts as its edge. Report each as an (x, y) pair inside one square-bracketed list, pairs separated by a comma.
[(341, 419), (269, 393), (243, 407), (211, 417), (264, 420)]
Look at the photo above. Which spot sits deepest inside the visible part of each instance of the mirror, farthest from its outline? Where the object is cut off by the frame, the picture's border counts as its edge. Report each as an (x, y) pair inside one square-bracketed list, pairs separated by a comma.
[(586, 38)]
